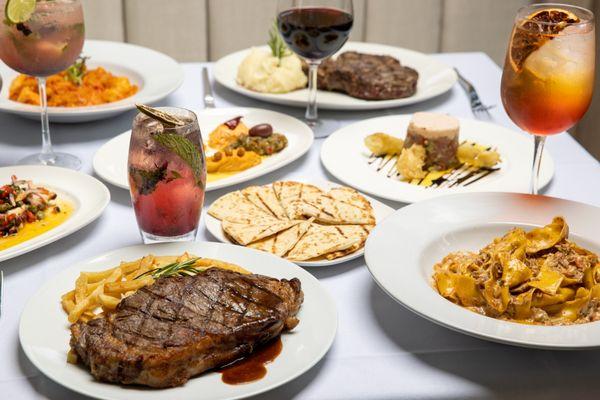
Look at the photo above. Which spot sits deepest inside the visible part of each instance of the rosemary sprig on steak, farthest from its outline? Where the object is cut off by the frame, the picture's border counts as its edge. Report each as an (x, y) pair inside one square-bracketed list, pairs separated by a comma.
[(180, 268)]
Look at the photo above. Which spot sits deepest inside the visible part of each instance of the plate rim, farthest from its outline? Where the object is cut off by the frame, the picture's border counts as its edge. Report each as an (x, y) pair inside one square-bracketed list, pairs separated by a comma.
[(387, 210), (305, 134), (73, 114), (92, 214), (547, 160), (456, 325), (160, 393), (219, 75)]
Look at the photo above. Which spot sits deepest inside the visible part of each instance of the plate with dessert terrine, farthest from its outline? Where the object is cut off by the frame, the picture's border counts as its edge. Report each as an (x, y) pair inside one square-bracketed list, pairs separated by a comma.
[(409, 158)]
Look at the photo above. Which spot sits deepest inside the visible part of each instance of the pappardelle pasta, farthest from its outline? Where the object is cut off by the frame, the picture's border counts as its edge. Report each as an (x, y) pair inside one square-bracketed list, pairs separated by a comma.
[(535, 277)]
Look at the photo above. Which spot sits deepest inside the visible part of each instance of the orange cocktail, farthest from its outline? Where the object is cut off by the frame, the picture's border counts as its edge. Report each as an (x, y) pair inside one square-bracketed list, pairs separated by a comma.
[(548, 76)]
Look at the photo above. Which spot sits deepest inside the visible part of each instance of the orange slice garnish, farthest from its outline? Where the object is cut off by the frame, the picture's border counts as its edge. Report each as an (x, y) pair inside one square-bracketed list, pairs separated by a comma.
[(534, 31)]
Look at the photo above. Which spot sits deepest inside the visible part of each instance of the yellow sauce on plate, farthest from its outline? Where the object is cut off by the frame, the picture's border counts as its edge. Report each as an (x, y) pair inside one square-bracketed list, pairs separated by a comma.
[(431, 176), (33, 229), (217, 176)]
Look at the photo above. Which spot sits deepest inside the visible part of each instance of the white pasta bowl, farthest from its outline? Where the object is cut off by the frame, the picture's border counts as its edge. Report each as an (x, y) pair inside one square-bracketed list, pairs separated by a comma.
[(401, 252)]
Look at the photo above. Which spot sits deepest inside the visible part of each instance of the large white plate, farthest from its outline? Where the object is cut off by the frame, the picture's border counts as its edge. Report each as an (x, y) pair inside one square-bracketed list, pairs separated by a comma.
[(345, 156), (401, 252), (435, 78), (381, 211), (156, 74), (110, 161), (88, 195), (44, 332)]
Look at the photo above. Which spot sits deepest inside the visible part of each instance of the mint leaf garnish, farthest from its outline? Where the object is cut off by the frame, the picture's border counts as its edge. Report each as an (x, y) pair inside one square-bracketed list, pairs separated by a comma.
[(185, 149), (146, 181)]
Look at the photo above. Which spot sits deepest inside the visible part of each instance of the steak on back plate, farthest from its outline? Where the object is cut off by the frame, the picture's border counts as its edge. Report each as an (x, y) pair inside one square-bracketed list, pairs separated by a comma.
[(178, 327), (367, 76)]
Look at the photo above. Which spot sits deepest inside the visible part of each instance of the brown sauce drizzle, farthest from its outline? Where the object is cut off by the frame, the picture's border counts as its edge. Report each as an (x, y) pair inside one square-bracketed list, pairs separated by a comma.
[(251, 368), (463, 175)]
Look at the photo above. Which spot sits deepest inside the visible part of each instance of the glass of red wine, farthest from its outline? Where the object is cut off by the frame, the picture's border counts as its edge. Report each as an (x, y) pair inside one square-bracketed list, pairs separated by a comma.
[(314, 30)]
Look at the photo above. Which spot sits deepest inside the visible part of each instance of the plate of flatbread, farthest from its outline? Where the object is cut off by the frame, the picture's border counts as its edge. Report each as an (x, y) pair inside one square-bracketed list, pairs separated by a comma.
[(312, 225)]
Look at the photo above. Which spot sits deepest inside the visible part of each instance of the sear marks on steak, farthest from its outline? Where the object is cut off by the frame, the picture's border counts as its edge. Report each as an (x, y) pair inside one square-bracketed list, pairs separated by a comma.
[(367, 76), (178, 327)]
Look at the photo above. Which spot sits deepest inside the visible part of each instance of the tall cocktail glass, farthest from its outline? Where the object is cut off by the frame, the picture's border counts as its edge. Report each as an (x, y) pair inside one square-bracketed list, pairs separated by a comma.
[(48, 42), (548, 76), (167, 176)]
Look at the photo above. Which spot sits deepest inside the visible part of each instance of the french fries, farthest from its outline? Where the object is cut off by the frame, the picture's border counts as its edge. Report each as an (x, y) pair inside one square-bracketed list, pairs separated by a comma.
[(99, 293)]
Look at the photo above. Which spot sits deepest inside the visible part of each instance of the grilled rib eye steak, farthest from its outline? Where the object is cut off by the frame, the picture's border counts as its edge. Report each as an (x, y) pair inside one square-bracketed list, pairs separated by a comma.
[(367, 76), (178, 327)]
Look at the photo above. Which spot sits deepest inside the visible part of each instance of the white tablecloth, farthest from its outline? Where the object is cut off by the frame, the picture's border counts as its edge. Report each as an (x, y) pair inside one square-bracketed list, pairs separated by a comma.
[(382, 351)]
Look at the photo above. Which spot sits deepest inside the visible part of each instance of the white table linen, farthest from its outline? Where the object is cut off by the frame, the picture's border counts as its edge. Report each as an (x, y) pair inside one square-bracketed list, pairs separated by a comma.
[(382, 351)]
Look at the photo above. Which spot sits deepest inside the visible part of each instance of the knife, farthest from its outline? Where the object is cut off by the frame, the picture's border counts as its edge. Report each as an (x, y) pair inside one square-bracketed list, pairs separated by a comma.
[(209, 98)]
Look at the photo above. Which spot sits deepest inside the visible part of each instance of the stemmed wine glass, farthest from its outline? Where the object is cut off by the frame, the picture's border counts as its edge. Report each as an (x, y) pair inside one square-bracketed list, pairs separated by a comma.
[(548, 76), (314, 30), (41, 39)]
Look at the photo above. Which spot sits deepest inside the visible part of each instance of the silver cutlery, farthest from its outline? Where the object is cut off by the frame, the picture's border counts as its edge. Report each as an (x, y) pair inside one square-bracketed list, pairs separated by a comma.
[(209, 98), (479, 109)]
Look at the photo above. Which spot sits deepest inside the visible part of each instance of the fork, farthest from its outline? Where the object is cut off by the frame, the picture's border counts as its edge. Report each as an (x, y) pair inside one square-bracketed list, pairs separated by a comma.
[(209, 98), (479, 109)]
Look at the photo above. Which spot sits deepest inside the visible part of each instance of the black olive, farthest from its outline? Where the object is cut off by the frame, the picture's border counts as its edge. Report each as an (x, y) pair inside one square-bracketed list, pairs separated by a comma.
[(261, 130)]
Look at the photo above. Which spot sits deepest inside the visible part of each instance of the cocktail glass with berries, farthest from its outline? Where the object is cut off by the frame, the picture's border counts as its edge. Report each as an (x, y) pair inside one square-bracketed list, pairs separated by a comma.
[(167, 175)]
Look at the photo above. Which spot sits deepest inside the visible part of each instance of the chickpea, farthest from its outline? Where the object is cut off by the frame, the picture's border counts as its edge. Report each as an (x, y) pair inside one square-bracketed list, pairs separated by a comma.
[(241, 152), (217, 156)]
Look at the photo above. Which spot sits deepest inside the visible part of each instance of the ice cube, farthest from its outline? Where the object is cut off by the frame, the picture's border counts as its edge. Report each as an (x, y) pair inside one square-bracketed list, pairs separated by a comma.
[(567, 54)]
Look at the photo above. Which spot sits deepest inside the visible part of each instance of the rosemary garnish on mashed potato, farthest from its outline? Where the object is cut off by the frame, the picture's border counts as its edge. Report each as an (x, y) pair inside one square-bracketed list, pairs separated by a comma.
[(278, 47), (275, 71)]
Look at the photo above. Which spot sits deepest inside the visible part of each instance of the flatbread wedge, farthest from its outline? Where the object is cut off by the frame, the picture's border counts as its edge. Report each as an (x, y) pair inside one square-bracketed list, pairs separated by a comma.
[(350, 196), (360, 232), (288, 193), (269, 198), (280, 243), (318, 241), (330, 211), (245, 233), (251, 193), (233, 205)]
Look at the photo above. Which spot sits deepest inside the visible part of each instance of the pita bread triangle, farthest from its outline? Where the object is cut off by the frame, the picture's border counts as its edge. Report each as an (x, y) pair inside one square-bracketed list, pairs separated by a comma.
[(328, 210), (318, 241), (233, 205), (267, 195), (251, 193), (280, 243), (245, 233), (350, 196), (359, 232)]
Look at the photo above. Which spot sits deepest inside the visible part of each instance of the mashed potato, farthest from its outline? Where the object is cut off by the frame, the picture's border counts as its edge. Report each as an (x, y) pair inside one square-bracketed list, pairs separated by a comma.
[(262, 72)]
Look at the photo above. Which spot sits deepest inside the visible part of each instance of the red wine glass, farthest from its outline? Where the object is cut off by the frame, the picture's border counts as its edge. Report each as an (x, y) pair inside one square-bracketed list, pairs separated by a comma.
[(314, 30)]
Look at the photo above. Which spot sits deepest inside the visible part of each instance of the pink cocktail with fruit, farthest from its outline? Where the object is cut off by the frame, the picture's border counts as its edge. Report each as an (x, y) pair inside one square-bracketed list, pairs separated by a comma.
[(41, 38)]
